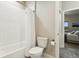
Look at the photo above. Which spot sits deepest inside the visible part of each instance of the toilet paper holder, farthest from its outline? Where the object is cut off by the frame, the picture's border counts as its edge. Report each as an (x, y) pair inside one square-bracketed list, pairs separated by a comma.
[(53, 42)]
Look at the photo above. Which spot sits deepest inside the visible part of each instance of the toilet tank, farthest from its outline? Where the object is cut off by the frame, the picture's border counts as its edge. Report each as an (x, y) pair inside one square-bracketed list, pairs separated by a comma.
[(42, 42)]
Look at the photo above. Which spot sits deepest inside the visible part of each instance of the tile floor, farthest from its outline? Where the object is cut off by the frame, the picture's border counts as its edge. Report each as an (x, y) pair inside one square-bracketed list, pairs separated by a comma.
[(71, 50)]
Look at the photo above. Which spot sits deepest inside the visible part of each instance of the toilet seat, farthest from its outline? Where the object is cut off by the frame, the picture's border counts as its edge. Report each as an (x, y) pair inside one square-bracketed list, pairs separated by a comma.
[(35, 50)]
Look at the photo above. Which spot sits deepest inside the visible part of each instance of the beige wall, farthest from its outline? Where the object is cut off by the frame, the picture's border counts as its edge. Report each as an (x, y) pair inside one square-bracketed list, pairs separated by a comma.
[(45, 12)]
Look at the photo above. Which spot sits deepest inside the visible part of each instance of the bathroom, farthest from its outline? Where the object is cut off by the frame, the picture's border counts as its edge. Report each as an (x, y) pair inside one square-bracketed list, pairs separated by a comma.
[(22, 23)]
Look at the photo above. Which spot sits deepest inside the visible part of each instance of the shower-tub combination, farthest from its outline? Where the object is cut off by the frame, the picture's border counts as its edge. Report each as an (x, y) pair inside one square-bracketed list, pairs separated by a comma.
[(16, 27)]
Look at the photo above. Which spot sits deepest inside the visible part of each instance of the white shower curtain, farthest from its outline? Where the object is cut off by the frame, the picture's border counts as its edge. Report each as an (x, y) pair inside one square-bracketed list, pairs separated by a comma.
[(29, 29)]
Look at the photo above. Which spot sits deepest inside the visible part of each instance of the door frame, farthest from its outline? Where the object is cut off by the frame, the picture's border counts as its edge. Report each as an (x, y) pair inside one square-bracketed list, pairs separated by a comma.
[(57, 34), (64, 18)]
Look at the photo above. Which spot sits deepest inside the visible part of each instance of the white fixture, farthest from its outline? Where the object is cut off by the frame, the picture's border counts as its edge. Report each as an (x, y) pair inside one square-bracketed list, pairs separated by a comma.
[(52, 43), (36, 52)]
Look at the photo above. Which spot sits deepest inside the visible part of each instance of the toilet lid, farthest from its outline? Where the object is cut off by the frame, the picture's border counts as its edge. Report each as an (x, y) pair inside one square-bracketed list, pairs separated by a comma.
[(35, 50)]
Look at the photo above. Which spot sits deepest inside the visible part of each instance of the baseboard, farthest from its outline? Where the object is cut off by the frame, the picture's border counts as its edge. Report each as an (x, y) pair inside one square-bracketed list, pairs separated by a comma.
[(48, 56)]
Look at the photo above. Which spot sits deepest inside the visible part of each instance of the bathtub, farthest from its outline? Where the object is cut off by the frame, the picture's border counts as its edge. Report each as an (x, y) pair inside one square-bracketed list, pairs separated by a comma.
[(13, 51)]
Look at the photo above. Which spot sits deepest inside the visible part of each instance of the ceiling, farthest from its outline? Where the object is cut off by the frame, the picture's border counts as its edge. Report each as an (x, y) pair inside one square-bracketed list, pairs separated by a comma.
[(72, 12)]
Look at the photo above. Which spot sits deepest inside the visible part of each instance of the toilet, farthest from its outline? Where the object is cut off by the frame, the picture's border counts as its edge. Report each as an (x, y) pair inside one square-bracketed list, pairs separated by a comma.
[(37, 52)]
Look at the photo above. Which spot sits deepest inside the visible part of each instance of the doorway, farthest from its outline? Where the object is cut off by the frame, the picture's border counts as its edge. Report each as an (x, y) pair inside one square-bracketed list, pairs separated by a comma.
[(71, 34)]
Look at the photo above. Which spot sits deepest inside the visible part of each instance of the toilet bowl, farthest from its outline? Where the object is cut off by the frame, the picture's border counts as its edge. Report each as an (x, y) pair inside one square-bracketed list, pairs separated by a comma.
[(37, 52)]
